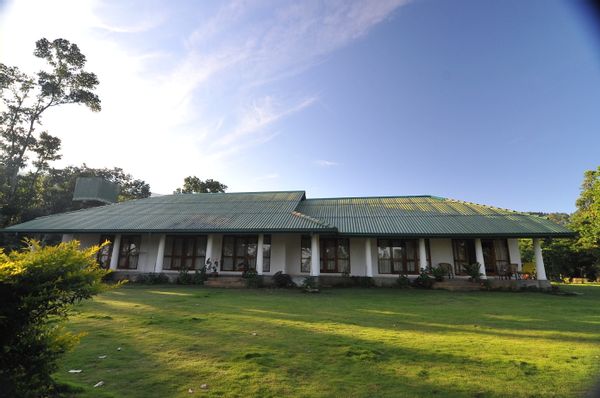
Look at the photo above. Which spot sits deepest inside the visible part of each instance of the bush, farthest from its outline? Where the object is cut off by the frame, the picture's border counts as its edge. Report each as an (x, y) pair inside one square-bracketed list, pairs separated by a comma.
[(252, 278), (37, 288), (473, 271), (423, 281), (403, 281), (310, 284), (438, 274), (282, 280), (152, 278), (186, 278)]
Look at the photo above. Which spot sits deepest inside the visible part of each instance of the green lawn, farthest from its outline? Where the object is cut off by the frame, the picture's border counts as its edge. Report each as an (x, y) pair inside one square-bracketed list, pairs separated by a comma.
[(339, 343)]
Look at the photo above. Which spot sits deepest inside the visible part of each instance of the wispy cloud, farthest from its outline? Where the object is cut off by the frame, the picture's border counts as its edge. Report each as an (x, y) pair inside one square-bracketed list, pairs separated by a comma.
[(326, 163), (185, 88)]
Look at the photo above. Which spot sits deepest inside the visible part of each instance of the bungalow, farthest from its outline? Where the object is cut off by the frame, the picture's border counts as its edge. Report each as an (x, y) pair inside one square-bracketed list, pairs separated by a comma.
[(377, 237)]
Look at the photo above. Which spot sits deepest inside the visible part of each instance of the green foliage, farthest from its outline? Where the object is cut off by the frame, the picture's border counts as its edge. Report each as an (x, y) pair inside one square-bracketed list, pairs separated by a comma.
[(38, 285), (252, 278), (310, 284), (403, 281), (186, 278), (24, 100), (282, 280), (473, 270), (438, 273), (586, 220), (423, 281), (152, 278), (193, 184)]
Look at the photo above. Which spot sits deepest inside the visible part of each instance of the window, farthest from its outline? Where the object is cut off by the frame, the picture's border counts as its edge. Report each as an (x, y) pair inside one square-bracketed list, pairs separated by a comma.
[(184, 252), (267, 253), (464, 254), (105, 252), (495, 255), (397, 256), (306, 253), (335, 255), (239, 253), (129, 252)]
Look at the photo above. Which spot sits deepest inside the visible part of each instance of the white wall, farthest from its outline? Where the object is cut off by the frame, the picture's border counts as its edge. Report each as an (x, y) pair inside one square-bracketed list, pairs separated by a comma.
[(358, 260), (441, 251), (293, 255), (514, 252), (87, 240)]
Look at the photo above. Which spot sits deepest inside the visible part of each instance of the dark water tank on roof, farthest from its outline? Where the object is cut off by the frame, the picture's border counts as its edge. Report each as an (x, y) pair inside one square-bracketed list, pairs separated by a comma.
[(95, 189)]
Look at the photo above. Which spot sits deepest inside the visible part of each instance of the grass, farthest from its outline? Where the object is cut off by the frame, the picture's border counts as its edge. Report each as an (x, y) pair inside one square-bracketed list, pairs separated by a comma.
[(344, 342)]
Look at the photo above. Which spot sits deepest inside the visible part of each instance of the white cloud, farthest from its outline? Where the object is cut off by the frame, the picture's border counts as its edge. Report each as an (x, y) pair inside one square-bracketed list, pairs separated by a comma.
[(326, 163), (183, 98)]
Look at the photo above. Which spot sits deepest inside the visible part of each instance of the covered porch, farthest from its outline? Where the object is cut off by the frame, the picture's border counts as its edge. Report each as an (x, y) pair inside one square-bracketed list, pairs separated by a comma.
[(383, 258)]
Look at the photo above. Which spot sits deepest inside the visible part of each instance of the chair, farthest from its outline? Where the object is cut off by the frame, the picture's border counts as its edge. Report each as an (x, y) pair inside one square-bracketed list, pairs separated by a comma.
[(514, 270), (504, 271), (447, 269)]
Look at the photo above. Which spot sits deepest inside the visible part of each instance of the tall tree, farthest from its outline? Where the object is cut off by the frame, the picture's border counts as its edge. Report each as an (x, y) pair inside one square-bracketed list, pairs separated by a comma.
[(53, 192), (25, 99), (193, 184), (586, 220)]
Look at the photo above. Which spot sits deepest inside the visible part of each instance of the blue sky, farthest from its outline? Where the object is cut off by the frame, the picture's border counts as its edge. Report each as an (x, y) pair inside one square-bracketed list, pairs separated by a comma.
[(493, 102)]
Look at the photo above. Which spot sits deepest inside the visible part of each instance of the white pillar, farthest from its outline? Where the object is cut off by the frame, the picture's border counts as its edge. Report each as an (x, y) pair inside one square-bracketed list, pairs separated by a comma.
[(368, 257), (315, 256), (209, 248), (540, 270), (259, 254), (114, 257), (160, 255), (479, 258), (422, 255), (67, 238)]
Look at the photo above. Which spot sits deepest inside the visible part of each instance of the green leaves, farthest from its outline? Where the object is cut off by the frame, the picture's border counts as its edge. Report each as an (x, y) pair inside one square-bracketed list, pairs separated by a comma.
[(37, 287)]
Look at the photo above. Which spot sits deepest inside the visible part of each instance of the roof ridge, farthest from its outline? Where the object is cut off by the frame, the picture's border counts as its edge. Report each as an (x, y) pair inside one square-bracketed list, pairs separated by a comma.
[(296, 213)]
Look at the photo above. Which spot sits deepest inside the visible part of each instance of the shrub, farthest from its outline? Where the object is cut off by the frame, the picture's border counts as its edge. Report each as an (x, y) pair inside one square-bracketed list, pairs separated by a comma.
[(37, 287), (403, 281), (473, 271), (186, 278), (282, 280), (252, 278), (438, 273), (423, 281), (155, 278), (310, 284)]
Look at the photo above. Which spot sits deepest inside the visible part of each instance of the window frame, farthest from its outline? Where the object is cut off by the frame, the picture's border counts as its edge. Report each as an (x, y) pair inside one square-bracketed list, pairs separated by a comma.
[(400, 242), (104, 255), (247, 240), (305, 253), (129, 255), (470, 254), (267, 245), (185, 240), (336, 257)]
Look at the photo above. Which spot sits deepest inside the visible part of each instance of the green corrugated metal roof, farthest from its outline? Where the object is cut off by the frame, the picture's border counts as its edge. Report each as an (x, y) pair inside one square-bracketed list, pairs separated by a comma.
[(425, 216), (215, 212), (290, 211)]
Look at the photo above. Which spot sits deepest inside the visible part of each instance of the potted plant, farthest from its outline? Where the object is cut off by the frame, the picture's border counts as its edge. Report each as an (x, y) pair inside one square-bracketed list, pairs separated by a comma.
[(212, 268)]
